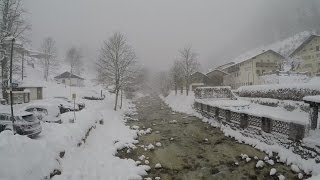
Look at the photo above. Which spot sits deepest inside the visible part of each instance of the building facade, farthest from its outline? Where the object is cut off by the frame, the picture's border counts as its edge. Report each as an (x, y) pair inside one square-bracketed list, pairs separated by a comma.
[(307, 56), (247, 72), (198, 79), (69, 79), (216, 77)]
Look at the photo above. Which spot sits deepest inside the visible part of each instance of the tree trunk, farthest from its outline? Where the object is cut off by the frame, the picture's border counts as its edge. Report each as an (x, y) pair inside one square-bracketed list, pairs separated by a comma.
[(187, 87), (4, 68), (181, 89), (116, 101), (121, 99), (187, 90), (176, 89)]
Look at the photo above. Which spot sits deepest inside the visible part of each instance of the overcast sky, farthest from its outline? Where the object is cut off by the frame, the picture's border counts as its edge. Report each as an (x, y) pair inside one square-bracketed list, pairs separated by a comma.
[(218, 30)]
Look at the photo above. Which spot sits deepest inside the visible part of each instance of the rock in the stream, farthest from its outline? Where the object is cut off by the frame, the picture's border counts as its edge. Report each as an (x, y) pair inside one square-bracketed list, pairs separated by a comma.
[(260, 164), (173, 122), (157, 132), (255, 157), (148, 131), (248, 159), (158, 144), (157, 178), (171, 139), (150, 147), (135, 127), (243, 156), (148, 178), (142, 157), (300, 175), (146, 162), (295, 168), (281, 177), (158, 166), (273, 171), (138, 162), (270, 161)]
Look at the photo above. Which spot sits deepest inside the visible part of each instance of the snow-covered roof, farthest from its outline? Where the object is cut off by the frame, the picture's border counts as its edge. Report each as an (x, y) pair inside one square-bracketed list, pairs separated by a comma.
[(31, 83), (217, 70), (197, 72), (302, 45), (283, 47), (68, 75), (315, 99)]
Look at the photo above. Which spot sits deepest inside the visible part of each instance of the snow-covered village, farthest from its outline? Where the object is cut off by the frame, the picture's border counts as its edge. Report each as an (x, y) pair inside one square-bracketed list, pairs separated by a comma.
[(159, 90)]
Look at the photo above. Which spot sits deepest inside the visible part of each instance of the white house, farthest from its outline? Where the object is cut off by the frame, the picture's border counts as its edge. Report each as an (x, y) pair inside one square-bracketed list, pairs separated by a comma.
[(69, 79)]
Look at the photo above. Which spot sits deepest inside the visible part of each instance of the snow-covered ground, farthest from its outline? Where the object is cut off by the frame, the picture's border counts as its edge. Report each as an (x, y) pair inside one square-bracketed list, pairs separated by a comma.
[(32, 159), (183, 103), (96, 159)]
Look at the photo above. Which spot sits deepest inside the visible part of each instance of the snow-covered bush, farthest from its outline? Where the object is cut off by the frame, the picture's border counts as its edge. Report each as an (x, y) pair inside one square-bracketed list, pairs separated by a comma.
[(283, 92), (213, 92)]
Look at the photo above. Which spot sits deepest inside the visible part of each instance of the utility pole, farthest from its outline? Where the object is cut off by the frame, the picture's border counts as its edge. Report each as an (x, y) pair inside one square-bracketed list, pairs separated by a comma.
[(11, 98), (22, 65)]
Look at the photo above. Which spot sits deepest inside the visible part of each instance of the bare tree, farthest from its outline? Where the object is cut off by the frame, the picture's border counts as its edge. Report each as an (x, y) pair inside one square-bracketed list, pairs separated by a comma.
[(176, 73), (74, 58), (189, 64), (13, 24), (12, 20), (49, 61), (116, 63)]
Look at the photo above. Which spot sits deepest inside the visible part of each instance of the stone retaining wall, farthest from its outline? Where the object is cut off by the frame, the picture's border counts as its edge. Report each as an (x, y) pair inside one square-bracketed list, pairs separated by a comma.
[(293, 131)]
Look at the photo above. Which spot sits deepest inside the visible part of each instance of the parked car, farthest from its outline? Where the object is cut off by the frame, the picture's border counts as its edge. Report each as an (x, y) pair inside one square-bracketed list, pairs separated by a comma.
[(25, 123), (70, 104), (45, 112)]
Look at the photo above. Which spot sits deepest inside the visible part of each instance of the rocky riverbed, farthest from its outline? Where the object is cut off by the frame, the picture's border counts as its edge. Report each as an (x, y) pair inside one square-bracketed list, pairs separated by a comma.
[(188, 149)]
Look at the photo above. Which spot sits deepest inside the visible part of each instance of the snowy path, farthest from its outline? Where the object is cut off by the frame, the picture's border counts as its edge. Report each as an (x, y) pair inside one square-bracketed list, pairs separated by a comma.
[(95, 160)]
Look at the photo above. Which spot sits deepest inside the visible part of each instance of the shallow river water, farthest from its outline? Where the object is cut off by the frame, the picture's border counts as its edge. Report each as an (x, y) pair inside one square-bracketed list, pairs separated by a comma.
[(193, 150)]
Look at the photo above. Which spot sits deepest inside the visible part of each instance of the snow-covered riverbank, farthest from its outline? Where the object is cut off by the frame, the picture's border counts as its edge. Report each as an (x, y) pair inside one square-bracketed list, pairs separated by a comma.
[(183, 103)]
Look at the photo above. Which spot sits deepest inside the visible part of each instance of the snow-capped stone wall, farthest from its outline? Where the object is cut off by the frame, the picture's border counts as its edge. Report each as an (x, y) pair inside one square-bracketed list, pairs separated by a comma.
[(238, 119)]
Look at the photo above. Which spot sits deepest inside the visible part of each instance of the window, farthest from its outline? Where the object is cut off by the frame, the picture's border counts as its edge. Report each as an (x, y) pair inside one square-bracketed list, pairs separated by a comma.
[(317, 48), (3, 117)]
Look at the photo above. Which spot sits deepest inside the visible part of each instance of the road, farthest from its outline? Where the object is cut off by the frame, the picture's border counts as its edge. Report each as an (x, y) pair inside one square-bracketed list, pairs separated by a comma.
[(192, 149)]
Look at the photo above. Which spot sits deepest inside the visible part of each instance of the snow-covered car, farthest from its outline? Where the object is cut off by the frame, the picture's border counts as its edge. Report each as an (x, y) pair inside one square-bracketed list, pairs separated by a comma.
[(45, 112), (25, 123), (70, 104)]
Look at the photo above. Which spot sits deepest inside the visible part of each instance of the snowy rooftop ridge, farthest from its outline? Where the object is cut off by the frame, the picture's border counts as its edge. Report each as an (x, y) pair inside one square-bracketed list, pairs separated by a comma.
[(283, 47)]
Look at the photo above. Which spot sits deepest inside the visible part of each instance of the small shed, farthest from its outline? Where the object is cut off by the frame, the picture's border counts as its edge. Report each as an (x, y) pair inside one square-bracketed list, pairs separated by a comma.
[(26, 92), (198, 79), (70, 79), (19, 97)]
